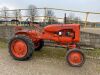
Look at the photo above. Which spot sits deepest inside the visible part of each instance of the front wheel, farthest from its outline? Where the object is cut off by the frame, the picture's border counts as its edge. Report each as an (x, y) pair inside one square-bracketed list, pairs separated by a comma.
[(75, 57)]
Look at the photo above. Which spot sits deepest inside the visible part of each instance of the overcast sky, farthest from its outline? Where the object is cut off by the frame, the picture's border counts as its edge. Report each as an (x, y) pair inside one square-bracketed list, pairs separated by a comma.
[(81, 5)]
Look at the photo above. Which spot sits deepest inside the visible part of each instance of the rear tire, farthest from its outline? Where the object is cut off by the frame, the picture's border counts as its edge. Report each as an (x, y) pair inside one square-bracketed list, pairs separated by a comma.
[(22, 44), (75, 57), (39, 45)]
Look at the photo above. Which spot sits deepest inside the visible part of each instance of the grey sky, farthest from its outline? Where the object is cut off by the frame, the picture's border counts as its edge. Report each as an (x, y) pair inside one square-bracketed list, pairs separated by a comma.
[(81, 5)]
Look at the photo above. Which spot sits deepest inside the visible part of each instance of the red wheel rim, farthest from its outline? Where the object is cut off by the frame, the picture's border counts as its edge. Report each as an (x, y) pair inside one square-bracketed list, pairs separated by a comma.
[(75, 58), (19, 48)]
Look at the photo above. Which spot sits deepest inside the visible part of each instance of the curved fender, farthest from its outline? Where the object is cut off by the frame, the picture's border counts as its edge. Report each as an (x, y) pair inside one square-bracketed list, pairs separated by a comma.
[(31, 34)]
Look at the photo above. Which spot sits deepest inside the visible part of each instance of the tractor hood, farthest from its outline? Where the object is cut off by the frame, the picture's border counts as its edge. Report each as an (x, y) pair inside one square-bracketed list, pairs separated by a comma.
[(58, 27)]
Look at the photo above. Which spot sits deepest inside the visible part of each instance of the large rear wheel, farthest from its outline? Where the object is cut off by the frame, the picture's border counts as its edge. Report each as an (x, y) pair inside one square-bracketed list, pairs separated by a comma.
[(21, 48), (75, 58)]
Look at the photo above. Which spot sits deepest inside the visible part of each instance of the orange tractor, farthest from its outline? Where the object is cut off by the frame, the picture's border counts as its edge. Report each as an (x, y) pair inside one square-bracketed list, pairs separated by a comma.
[(22, 45)]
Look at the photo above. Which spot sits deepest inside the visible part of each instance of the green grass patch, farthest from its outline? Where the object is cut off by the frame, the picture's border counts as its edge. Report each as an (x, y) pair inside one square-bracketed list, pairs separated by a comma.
[(3, 43), (93, 53), (60, 53), (51, 52)]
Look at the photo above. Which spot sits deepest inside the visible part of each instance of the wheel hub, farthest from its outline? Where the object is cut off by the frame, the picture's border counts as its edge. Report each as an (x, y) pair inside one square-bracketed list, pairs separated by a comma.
[(19, 48), (75, 58)]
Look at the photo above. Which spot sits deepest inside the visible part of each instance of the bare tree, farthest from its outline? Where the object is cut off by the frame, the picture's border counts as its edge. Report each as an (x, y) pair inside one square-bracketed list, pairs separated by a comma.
[(17, 16), (32, 12), (4, 12), (50, 16), (49, 13), (72, 18), (77, 20), (15, 13)]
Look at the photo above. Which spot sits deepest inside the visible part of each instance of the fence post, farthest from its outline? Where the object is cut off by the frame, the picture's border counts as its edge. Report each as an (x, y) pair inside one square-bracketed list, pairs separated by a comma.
[(95, 25), (19, 16), (45, 12), (86, 19), (16, 16), (65, 19), (5, 13)]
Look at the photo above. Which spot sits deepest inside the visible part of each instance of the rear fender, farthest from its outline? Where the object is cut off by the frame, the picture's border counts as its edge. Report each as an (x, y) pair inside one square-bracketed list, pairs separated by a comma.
[(34, 39), (22, 33)]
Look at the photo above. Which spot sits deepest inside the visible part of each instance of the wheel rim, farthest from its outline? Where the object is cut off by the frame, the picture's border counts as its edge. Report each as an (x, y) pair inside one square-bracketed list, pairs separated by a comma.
[(19, 48), (75, 58)]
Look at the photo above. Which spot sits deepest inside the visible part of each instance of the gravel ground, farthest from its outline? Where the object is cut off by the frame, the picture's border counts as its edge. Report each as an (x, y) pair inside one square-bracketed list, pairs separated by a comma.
[(45, 66)]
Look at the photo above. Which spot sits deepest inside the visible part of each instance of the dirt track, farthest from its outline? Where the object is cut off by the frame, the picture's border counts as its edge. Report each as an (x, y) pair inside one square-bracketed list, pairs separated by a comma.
[(44, 66)]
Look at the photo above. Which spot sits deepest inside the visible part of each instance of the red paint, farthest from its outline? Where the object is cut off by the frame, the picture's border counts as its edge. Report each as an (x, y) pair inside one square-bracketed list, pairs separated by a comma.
[(19, 48), (50, 32), (75, 58)]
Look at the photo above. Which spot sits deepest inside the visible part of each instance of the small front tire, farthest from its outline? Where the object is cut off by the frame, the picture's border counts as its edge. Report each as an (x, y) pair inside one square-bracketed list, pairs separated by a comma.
[(75, 57)]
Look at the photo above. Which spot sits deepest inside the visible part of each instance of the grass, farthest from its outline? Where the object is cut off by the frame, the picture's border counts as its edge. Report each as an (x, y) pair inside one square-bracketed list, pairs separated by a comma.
[(52, 52), (60, 53), (93, 53), (3, 43)]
